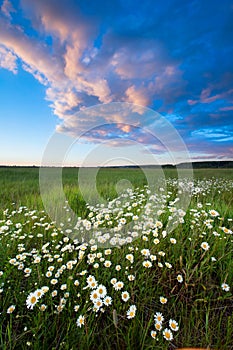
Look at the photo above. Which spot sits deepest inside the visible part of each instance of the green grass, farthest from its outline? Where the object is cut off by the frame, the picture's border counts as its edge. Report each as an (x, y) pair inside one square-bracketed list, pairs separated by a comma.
[(202, 309)]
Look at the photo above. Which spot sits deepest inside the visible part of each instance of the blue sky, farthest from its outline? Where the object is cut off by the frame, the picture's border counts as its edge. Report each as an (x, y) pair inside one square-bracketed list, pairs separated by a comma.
[(57, 58)]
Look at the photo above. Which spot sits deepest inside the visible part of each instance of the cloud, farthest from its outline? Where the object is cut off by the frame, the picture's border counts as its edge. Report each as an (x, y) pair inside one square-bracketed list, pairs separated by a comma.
[(172, 58), (8, 59), (7, 8)]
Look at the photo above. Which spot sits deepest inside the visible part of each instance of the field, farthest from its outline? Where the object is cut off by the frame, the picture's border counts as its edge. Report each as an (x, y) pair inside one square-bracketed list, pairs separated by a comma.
[(135, 284)]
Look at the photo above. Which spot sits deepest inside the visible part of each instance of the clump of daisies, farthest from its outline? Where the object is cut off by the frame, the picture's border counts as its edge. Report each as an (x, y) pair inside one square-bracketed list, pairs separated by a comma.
[(165, 330)]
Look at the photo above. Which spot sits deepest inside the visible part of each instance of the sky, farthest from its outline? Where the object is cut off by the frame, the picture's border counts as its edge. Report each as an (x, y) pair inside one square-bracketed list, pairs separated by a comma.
[(62, 61)]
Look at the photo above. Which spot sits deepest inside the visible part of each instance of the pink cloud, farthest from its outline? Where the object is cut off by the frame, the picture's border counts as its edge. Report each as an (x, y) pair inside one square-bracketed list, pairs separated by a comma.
[(7, 8), (192, 102), (227, 108), (137, 96), (8, 59)]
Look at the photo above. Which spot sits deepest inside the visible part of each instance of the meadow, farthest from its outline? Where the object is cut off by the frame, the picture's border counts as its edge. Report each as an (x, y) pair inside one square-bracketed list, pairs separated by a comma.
[(136, 286)]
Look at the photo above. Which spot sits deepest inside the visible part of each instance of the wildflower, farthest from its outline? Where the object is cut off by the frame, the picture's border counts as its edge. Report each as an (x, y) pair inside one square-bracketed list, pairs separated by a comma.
[(158, 326), (118, 267), (163, 300), (158, 317), (205, 245), (145, 252), (39, 293), (31, 300), (167, 334), (54, 293), (225, 287), (214, 213), (101, 290), (118, 285), (125, 296), (90, 279), (76, 283), (173, 240), (76, 308), (130, 257), (94, 296), (80, 321), (173, 325), (11, 309), (179, 278), (43, 307), (45, 289), (153, 257), (107, 263), (60, 307), (54, 281), (147, 264), (153, 334), (107, 300), (113, 281), (131, 277), (27, 270), (131, 312), (168, 265), (98, 304)]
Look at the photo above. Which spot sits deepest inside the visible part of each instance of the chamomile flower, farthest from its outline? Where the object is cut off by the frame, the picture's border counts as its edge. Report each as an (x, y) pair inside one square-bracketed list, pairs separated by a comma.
[(213, 213), (54, 281), (54, 293), (43, 307), (163, 300), (76, 308), (205, 246), (31, 300), (167, 334), (130, 257), (158, 326), (39, 293), (118, 285), (173, 325), (131, 278), (131, 312), (45, 289), (147, 264), (113, 281), (153, 334), (179, 278), (107, 263), (101, 290), (107, 301), (11, 309), (158, 317), (225, 287), (125, 296), (80, 321), (98, 304), (94, 296)]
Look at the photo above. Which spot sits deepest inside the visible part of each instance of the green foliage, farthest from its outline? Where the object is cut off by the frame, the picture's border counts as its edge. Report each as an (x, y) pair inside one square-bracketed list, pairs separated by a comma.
[(201, 307)]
